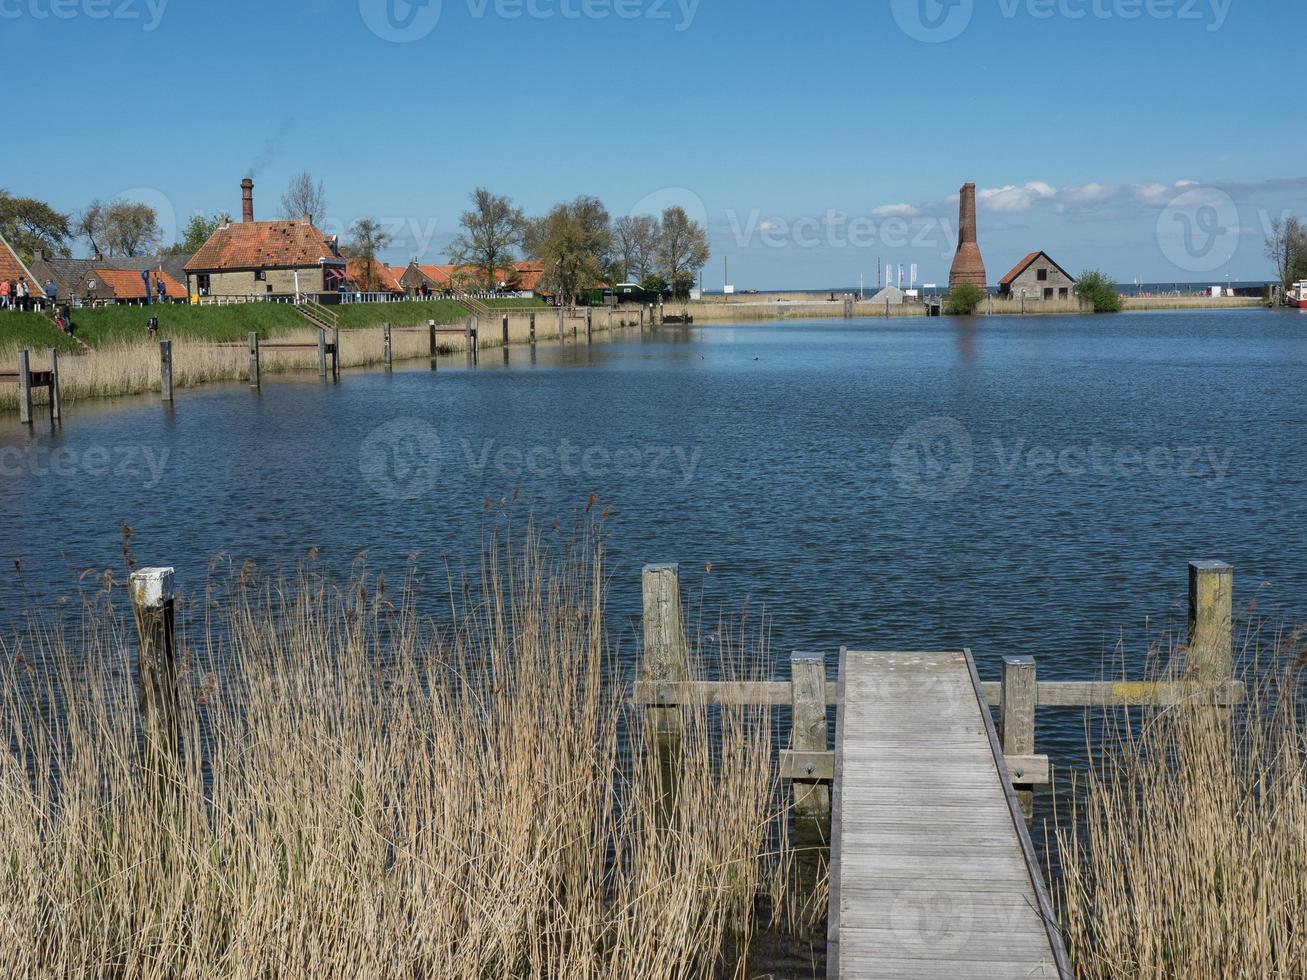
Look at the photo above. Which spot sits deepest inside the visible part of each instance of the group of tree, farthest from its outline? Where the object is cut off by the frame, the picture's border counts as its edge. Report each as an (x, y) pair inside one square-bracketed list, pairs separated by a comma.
[(33, 227), (119, 229), (579, 246), (1286, 247)]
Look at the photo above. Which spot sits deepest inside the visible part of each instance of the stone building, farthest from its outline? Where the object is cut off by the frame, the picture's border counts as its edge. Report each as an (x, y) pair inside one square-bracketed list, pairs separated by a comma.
[(1039, 277), (264, 259)]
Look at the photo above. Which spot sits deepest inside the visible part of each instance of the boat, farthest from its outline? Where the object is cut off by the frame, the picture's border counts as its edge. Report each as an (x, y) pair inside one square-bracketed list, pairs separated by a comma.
[(1298, 295)]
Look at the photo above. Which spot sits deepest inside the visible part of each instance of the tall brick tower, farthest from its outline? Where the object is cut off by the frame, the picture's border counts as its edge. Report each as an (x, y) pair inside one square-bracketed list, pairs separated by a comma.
[(968, 265)]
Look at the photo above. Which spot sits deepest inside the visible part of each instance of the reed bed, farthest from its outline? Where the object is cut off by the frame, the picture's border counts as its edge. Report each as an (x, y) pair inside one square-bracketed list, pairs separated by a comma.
[(364, 792), (1185, 854)]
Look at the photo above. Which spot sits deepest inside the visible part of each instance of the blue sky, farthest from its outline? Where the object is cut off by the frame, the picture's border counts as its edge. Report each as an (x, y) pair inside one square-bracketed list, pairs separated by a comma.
[(1149, 138)]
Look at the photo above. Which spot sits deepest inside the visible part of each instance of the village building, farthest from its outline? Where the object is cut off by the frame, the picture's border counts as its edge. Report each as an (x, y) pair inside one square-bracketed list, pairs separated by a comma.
[(374, 277), (1037, 277), (76, 279), (261, 260), (117, 287), (13, 271), (436, 280)]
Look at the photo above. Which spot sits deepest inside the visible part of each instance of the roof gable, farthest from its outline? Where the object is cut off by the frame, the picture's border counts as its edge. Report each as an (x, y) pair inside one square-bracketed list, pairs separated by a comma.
[(13, 269), (1027, 262)]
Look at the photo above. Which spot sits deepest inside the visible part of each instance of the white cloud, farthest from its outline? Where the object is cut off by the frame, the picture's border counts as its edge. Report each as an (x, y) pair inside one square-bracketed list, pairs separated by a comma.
[(1012, 199), (896, 211)]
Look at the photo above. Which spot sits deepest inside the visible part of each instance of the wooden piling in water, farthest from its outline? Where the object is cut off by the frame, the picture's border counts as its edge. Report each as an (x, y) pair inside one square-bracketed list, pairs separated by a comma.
[(165, 370), (322, 353), (335, 353), (589, 324), (561, 338), (610, 320), (808, 734), (1210, 656), (56, 402), (24, 388), (642, 318), (385, 340), (532, 322), (254, 360), (665, 658), (1017, 721), (156, 668), (431, 338), (504, 323)]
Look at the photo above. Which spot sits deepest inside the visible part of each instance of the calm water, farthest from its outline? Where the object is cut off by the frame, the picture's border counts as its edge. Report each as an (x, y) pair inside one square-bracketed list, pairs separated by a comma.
[(1019, 487)]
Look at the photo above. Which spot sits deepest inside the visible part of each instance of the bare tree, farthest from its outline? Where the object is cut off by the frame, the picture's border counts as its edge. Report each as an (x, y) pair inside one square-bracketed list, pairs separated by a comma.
[(120, 228), (682, 250), (89, 224), (305, 198), (635, 242), (1286, 247), (366, 239), (491, 230)]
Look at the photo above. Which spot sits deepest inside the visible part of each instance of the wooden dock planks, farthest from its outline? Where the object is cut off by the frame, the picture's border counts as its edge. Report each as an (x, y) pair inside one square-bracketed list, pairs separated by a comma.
[(932, 872)]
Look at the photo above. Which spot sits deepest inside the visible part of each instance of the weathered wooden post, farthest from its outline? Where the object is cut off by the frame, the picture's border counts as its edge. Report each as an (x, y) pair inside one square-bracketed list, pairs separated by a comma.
[(589, 324), (664, 665), (24, 387), (385, 343), (156, 668), (431, 338), (532, 322), (165, 370), (467, 338), (561, 338), (610, 319), (642, 318), (254, 360), (808, 734), (1017, 721), (1210, 658), (56, 403), (322, 353), (335, 353), (504, 322)]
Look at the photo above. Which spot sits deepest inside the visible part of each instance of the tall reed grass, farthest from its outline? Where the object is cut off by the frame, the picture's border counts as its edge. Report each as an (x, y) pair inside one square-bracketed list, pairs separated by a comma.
[(1186, 851), (364, 792)]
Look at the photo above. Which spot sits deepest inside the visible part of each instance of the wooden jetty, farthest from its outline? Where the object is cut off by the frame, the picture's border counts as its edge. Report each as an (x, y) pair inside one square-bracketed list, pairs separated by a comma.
[(933, 872), (27, 380)]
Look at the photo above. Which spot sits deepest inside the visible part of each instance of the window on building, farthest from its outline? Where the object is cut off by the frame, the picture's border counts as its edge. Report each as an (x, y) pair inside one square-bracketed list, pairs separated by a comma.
[(1043, 275), (202, 283), (260, 275), (1048, 293), (1063, 293)]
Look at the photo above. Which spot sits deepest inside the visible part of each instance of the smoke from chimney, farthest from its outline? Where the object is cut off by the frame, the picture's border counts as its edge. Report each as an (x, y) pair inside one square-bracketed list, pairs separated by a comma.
[(247, 200)]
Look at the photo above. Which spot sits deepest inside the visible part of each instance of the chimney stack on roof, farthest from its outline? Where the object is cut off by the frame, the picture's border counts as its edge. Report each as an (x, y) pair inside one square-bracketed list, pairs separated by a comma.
[(247, 200), (968, 264)]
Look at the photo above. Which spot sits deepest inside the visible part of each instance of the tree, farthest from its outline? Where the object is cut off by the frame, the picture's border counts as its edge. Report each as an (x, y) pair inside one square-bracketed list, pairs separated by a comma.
[(490, 231), (89, 224), (653, 283), (198, 231), (682, 251), (32, 226), (131, 229), (635, 243), (963, 299), (575, 241), (1286, 247), (1096, 289), (304, 197), (366, 239)]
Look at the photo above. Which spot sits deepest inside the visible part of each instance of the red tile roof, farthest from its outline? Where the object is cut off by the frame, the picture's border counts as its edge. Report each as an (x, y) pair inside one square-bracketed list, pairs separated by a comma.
[(262, 245), (128, 284), (524, 277), (12, 269), (387, 276), (1026, 263)]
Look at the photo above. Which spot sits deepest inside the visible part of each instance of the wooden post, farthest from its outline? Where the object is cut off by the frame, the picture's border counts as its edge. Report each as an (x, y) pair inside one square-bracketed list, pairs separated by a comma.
[(808, 734), (561, 338), (504, 322), (254, 360), (1017, 720), (467, 338), (385, 339), (664, 663), (431, 337), (610, 320), (156, 669), (642, 318), (24, 388), (533, 329), (165, 370), (335, 353), (322, 353), (56, 404), (1211, 618), (589, 324)]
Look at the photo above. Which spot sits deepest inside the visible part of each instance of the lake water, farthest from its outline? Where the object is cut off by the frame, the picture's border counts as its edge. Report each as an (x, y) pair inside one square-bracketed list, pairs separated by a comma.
[(1025, 486)]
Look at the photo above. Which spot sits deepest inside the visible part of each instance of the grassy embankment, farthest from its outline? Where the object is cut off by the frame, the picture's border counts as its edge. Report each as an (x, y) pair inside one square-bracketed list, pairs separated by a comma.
[(363, 792), (123, 361)]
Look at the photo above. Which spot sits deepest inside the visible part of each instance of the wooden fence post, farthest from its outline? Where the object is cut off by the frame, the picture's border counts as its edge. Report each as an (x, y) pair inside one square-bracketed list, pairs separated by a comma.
[(156, 668), (322, 353), (561, 338), (642, 318), (533, 328), (504, 323), (610, 320), (56, 403), (1017, 720), (254, 360), (24, 387), (165, 370), (589, 324), (385, 339), (1211, 616), (808, 733), (335, 353), (431, 338), (664, 663)]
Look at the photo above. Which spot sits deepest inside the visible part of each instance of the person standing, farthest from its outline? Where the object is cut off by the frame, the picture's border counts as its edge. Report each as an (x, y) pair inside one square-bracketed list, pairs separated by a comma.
[(51, 294), (4, 294), (22, 295)]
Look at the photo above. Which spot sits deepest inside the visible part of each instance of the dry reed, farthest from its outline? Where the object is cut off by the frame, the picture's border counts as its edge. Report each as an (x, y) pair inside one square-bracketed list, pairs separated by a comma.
[(363, 793), (1186, 851)]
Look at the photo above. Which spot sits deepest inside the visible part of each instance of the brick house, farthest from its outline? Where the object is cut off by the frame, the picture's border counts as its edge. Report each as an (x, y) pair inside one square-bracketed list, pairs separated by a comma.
[(126, 286), (523, 277), (12, 270), (77, 281), (255, 260), (381, 278), (1040, 277)]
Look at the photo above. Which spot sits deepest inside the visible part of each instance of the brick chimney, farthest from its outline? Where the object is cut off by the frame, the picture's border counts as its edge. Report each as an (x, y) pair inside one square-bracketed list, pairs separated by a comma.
[(247, 200), (968, 264)]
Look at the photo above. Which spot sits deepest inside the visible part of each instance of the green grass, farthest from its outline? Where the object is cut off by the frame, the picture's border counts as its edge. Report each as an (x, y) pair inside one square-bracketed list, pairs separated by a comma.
[(407, 314), (30, 330)]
